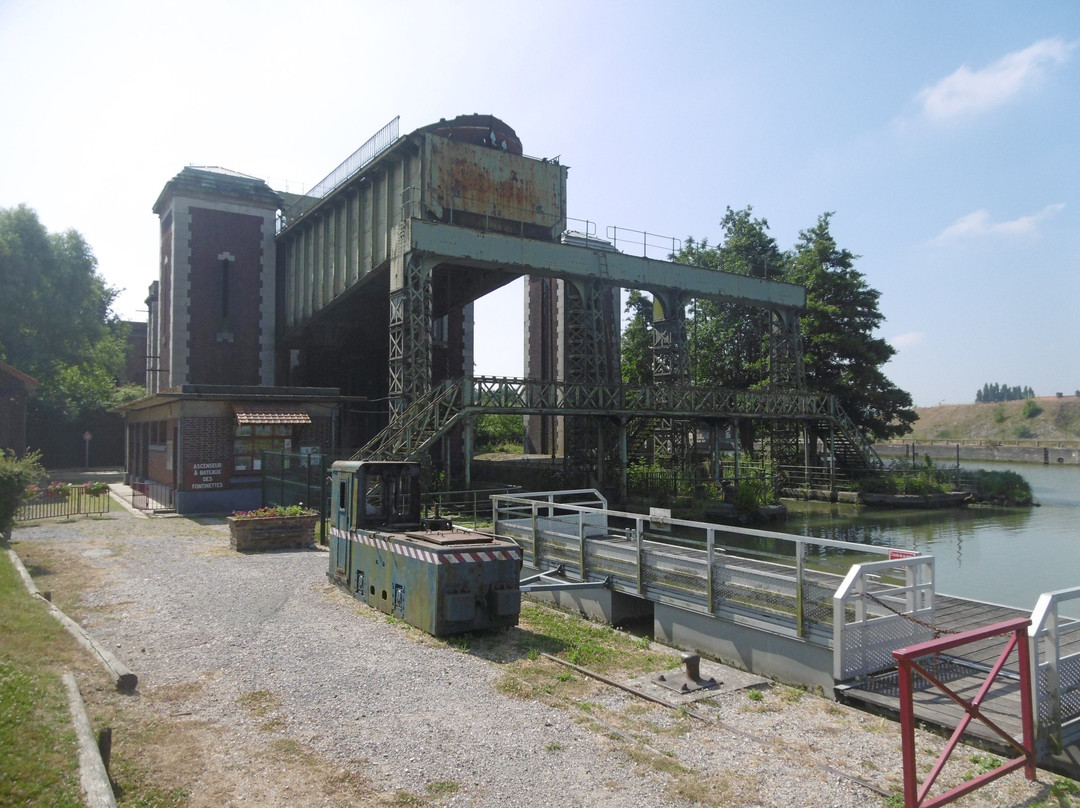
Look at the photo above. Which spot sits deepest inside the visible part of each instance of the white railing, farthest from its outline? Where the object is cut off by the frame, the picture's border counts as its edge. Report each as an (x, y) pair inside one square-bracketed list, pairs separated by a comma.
[(777, 581), (874, 613), (1056, 678)]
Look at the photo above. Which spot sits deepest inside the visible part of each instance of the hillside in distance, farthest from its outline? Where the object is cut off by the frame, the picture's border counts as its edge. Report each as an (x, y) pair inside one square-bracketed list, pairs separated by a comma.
[(1050, 419)]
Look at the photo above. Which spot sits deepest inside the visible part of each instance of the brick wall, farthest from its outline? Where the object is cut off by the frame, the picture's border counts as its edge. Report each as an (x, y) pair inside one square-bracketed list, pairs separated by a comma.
[(206, 440), (225, 285), (318, 433)]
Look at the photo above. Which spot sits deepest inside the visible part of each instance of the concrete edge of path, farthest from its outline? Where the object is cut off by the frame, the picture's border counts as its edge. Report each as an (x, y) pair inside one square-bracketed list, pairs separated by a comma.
[(125, 680), (93, 775)]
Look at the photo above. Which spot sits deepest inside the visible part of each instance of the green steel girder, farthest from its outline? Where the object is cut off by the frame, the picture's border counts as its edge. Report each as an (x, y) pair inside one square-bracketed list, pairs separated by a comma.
[(464, 247)]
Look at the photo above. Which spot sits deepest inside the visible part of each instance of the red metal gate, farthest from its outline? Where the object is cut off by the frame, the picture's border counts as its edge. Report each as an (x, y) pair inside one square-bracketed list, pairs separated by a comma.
[(909, 665)]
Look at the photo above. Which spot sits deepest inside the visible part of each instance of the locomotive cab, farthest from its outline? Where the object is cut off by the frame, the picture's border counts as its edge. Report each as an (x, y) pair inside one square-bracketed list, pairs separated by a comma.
[(376, 494)]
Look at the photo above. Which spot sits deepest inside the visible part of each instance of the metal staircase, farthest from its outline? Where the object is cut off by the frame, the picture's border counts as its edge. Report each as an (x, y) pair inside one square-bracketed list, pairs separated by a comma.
[(427, 419), (851, 447)]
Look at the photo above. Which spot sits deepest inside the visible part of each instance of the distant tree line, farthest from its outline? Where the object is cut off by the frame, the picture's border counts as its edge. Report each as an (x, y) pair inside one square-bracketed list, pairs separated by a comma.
[(1002, 392)]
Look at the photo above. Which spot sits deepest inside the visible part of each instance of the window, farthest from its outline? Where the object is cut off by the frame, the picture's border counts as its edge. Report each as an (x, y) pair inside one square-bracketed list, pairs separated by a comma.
[(252, 439)]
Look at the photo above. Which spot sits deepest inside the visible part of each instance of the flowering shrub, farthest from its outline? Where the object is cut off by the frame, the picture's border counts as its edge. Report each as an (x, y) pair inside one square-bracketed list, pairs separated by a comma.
[(96, 489), (275, 510), (31, 491), (16, 477), (57, 489)]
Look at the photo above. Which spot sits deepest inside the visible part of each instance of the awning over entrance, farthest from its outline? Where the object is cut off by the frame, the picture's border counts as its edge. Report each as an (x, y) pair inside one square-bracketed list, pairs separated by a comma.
[(271, 414)]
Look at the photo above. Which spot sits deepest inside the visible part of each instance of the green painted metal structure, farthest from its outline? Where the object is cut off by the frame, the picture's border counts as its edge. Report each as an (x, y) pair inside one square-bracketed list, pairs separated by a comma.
[(425, 572)]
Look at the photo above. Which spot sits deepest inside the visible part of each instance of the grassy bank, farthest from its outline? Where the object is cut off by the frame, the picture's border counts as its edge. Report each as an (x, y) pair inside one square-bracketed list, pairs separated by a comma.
[(1046, 418), (38, 752)]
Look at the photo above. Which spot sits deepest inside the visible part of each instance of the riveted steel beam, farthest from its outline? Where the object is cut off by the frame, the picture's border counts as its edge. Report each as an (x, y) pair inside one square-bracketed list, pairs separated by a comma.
[(464, 247)]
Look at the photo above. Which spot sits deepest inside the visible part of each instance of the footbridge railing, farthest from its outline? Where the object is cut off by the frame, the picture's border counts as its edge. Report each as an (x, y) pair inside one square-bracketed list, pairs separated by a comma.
[(776, 582), (881, 606), (434, 414), (1056, 672)]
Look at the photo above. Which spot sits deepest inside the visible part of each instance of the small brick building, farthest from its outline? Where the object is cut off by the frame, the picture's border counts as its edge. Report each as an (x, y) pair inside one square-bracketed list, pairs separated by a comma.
[(212, 406), (205, 441)]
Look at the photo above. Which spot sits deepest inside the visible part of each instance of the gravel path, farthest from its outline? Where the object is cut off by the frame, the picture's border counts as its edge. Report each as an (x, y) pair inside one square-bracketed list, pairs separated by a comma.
[(269, 658)]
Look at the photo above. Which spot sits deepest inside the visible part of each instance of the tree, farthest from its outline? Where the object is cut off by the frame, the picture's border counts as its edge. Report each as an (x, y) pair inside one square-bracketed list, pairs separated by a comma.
[(840, 352), (15, 475), (498, 432), (728, 341), (1002, 392), (55, 319), (636, 349)]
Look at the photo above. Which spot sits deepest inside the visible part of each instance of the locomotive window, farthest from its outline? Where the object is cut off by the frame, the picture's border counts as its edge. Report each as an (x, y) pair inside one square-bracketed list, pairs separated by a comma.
[(373, 497), (342, 498)]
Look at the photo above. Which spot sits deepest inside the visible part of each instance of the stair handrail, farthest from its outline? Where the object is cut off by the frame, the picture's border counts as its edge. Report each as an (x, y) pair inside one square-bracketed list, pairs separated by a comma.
[(853, 435), (433, 413)]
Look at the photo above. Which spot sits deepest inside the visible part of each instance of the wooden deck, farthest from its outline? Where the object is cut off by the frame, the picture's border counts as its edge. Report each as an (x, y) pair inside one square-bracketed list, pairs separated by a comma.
[(964, 670)]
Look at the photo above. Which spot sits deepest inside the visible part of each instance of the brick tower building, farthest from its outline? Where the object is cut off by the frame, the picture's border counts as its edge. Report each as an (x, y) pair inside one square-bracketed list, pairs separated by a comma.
[(214, 317)]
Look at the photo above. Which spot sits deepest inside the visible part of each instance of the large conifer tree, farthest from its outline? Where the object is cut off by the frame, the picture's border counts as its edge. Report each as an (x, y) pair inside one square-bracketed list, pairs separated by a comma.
[(841, 353)]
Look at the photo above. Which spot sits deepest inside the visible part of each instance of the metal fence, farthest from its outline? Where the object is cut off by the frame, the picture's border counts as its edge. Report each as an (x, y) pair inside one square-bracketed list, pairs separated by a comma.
[(467, 505), (371, 149), (881, 606), (1057, 671), (777, 582), (76, 500), (153, 497), (292, 478)]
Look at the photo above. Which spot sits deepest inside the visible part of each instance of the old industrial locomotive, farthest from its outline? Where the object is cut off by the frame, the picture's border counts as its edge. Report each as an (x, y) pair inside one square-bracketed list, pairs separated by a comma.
[(424, 571)]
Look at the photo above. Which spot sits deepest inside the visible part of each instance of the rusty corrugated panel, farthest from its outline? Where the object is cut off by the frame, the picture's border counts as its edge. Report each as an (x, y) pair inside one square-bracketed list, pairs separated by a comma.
[(462, 178)]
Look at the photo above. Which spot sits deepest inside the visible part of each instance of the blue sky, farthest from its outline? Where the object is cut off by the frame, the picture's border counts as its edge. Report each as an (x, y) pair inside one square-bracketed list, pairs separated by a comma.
[(944, 136)]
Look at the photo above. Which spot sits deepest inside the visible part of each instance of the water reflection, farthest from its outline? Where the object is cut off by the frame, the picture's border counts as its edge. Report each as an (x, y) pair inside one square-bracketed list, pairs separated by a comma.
[(1000, 555)]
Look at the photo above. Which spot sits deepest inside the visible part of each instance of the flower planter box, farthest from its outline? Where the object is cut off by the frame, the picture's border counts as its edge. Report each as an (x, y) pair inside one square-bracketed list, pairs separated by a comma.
[(271, 532)]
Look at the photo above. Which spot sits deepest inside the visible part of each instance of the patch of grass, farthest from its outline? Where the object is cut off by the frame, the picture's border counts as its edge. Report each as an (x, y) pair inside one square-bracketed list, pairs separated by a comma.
[(590, 645), (718, 789), (287, 747), (894, 800), (755, 695), (259, 702), (133, 789), (664, 764), (461, 642), (983, 764), (37, 741), (442, 788), (791, 695)]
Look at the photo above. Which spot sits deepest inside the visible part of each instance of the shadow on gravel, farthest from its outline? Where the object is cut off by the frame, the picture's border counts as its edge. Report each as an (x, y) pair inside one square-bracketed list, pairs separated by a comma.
[(506, 645), (310, 548)]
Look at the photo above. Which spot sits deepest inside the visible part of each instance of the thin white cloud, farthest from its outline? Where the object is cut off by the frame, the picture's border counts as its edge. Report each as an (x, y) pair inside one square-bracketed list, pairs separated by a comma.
[(970, 92), (979, 225), (907, 340)]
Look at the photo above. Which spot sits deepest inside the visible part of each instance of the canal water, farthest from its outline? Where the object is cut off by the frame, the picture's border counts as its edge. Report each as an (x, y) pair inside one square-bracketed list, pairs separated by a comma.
[(1007, 556)]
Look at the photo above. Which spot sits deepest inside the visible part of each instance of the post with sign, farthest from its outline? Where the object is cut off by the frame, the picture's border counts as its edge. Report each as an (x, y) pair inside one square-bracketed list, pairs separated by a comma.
[(87, 437)]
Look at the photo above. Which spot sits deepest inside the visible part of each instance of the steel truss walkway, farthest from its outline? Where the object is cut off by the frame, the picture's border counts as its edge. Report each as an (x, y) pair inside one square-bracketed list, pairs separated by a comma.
[(433, 415)]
